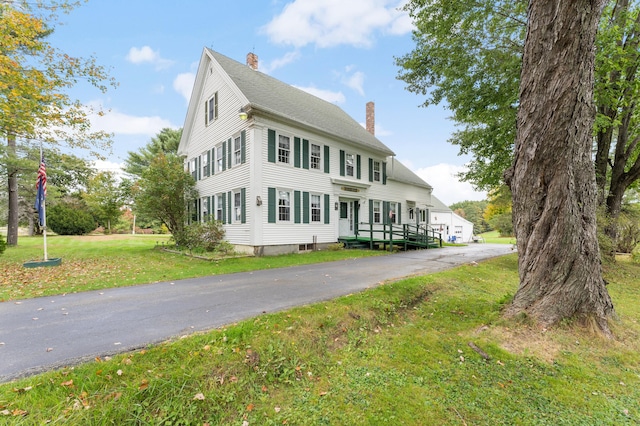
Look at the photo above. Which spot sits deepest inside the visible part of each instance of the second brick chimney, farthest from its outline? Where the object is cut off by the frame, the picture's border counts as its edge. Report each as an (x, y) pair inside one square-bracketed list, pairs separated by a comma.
[(252, 60), (371, 118)]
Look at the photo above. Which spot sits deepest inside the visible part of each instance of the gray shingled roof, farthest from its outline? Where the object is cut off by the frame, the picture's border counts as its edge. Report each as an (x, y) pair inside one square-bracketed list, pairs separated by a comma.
[(399, 172), (270, 95), (438, 205)]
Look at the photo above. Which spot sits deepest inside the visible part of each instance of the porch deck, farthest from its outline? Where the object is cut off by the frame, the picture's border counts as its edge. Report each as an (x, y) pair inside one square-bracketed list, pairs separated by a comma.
[(387, 236)]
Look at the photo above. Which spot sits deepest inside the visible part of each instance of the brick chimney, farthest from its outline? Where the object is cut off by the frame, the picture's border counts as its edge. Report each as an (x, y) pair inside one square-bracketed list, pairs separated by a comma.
[(371, 118), (252, 60)]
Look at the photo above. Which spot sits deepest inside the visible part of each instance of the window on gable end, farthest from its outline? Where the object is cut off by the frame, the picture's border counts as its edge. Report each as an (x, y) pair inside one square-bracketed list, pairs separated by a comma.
[(237, 150), (219, 158), (205, 164), (211, 109), (237, 207)]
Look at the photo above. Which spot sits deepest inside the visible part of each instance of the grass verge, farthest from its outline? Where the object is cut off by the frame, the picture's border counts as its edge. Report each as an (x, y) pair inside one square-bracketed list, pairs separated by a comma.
[(396, 354), (97, 262)]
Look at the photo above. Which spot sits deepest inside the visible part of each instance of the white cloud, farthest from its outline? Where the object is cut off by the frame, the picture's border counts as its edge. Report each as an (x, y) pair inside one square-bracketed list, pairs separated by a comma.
[(356, 81), (327, 95), (114, 121), (328, 23), (279, 62), (146, 54), (109, 166), (183, 84), (446, 185)]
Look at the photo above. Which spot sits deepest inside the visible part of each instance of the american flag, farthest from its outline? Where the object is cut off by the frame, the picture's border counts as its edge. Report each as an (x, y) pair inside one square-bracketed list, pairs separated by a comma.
[(41, 189)]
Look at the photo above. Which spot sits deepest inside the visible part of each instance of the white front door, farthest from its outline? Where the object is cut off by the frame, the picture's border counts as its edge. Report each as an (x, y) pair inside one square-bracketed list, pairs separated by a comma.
[(346, 219)]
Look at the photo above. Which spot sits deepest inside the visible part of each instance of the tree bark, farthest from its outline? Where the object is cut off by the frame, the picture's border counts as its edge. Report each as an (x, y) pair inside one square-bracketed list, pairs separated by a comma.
[(552, 178), (12, 180)]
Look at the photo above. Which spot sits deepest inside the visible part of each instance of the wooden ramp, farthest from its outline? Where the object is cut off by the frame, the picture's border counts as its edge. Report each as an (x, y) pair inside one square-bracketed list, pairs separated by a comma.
[(387, 236)]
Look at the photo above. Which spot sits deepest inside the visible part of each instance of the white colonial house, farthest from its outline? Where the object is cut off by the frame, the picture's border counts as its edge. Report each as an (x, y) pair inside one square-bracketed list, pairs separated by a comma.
[(286, 171)]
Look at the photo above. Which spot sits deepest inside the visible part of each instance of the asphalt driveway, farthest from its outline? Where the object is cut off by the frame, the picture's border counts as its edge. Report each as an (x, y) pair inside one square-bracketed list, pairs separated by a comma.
[(51, 332)]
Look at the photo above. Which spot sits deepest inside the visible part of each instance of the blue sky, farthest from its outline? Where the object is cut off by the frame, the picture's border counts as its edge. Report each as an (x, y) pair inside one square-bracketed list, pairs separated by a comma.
[(342, 51)]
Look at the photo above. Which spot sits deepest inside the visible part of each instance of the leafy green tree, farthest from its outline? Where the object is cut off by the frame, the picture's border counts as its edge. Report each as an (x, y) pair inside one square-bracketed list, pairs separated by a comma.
[(165, 142), (34, 99), (105, 198), (473, 211), (163, 191), (70, 217), (469, 55)]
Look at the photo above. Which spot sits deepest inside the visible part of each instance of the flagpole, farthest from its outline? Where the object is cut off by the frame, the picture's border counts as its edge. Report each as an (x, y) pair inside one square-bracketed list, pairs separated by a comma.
[(44, 217)]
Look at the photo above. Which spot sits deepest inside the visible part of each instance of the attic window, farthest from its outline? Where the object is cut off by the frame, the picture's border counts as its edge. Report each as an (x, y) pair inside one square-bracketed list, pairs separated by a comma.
[(211, 109)]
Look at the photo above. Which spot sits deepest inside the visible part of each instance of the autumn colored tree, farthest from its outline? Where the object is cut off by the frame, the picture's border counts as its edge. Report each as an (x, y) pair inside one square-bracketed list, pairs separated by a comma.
[(34, 105), (552, 178)]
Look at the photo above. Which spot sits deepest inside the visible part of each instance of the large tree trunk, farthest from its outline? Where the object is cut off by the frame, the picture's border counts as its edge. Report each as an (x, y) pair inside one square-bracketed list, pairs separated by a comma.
[(12, 179), (552, 178)]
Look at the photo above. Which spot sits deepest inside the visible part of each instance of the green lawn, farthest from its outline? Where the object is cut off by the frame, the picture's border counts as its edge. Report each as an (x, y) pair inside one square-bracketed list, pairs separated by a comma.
[(396, 354), (495, 238)]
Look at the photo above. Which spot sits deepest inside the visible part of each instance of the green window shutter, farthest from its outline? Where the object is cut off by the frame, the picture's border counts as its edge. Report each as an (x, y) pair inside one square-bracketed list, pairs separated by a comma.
[(384, 173), (243, 146), (326, 159), (399, 214), (305, 154), (296, 152), (271, 203), (224, 156), (271, 146), (370, 211), (358, 166), (385, 212), (199, 166), (229, 207), (370, 169), (296, 206), (243, 206), (208, 164), (341, 163), (229, 155), (224, 207), (211, 208), (212, 165), (206, 112), (327, 209), (305, 207)]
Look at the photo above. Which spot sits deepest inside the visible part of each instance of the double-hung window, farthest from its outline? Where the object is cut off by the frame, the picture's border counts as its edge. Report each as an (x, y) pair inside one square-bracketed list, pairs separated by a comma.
[(393, 212), (237, 207), (315, 208), (315, 156), (376, 212), (349, 162), (237, 153), (284, 206), (211, 109), (205, 164), (219, 208), (284, 149), (376, 171), (219, 158)]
